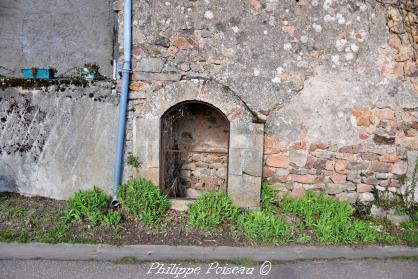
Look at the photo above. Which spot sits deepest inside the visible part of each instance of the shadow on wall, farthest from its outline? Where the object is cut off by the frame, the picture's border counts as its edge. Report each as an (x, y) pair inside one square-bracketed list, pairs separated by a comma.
[(7, 180)]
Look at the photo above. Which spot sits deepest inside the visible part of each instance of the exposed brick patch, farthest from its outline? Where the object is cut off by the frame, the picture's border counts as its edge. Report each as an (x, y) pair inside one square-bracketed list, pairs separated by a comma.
[(315, 146), (363, 116), (136, 86), (338, 178), (255, 4), (269, 142), (353, 149), (183, 43), (299, 145), (329, 165), (389, 158), (267, 172), (305, 179), (386, 126), (340, 166), (278, 161), (364, 188), (289, 29)]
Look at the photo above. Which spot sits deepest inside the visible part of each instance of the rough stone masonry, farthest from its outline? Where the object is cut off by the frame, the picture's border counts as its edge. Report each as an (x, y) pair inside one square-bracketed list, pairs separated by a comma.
[(334, 82)]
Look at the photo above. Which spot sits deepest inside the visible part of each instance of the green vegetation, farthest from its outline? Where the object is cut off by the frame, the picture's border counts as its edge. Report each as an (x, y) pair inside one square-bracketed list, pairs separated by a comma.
[(402, 178), (410, 193), (9, 235), (29, 224), (330, 220), (265, 226), (113, 219), (410, 233), (15, 212), (411, 238), (133, 161), (268, 197), (90, 205), (314, 218), (386, 199), (400, 210), (143, 199), (211, 210)]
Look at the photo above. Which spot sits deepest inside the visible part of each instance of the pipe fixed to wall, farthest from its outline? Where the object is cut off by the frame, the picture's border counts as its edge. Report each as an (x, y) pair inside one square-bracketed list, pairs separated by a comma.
[(123, 103)]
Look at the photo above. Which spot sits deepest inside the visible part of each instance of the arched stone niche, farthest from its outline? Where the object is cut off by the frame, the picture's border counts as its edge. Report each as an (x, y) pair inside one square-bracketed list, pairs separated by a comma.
[(245, 151)]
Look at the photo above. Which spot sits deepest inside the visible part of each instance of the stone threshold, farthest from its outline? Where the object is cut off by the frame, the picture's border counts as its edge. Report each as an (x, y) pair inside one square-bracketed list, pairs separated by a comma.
[(180, 204)]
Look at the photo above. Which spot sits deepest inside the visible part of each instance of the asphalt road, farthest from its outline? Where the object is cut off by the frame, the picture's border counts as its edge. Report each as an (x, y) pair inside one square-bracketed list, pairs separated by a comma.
[(370, 269)]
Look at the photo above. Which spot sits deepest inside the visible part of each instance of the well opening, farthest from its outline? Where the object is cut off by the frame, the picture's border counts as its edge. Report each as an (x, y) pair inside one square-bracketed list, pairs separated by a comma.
[(194, 150)]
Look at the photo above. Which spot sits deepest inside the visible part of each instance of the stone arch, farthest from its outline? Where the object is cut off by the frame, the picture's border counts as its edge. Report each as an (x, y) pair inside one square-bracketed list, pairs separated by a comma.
[(245, 153)]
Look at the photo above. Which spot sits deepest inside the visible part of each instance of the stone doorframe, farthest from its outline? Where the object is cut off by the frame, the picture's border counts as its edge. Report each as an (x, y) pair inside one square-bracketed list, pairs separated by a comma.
[(245, 157)]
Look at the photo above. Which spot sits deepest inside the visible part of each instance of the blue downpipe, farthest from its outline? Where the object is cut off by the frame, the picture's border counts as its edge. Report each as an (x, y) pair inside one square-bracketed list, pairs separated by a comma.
[(123, 103)]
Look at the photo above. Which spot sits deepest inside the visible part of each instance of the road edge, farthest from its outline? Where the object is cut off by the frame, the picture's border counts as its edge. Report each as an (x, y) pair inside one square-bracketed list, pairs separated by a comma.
[(104, 252)]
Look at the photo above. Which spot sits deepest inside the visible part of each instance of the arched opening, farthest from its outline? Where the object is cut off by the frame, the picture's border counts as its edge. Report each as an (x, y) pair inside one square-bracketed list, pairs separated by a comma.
[(194, 150)]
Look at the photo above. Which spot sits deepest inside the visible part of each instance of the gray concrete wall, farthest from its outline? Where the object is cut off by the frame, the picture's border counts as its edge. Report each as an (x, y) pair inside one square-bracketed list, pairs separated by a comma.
[(56, 138), (55, 33)]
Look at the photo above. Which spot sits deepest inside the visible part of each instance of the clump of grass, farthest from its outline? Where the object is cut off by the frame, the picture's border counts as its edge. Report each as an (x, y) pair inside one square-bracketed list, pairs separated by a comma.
[(56, 234), (211, 210), (143, 199), (112, 219), (411, 238), (264, 225), (90, 205), (10, 235), (413, 213), (15, 212), (133, 161), (400, 210), (408, 224), (410, 234), (330, 220), (268, 197)]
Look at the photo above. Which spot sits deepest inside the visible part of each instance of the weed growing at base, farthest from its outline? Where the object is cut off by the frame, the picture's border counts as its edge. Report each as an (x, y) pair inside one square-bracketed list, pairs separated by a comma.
[(330, 220), (211, 210), (265, 226), (112, 219), (143, 199), (133, 161), (268, 197), (90, 205)]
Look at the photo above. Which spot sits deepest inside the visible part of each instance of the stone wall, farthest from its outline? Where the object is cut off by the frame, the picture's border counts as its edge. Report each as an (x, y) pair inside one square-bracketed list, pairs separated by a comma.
[(334, 81), (63, 34), (329, 86), (195, 141), (56, 137), (379, 160)]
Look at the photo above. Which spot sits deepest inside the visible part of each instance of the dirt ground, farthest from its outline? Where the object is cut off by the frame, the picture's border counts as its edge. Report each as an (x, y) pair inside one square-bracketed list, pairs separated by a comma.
[(30, 217)]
